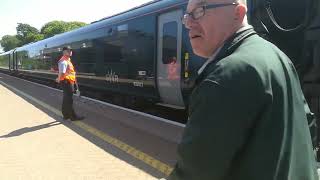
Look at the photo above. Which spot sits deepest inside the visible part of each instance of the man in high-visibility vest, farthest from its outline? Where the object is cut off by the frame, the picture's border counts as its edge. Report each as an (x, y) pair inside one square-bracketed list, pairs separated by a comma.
[(67, 79)]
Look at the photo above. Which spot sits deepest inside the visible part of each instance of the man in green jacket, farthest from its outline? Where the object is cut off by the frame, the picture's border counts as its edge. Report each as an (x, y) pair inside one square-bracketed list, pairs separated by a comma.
[(247, 113)]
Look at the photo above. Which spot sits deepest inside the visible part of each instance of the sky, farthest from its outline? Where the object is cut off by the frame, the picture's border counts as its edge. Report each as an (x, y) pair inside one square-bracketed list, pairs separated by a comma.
[(38, 12)]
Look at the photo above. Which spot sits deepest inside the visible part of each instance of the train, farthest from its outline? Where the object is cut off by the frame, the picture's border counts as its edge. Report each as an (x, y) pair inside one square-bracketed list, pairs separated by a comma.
[(145, 54), (128, 55)]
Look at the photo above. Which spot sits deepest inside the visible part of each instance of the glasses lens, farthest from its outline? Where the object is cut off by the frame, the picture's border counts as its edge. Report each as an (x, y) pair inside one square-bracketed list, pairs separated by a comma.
[(198, 12), (195, 14), (185, 18)]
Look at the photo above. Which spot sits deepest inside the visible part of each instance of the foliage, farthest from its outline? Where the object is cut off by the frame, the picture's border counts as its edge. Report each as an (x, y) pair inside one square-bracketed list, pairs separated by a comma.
[(56, 27), (9, 42), (28, 34)]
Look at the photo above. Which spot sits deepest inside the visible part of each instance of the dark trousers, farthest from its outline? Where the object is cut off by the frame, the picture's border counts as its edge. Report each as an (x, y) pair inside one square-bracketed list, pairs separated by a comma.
[(67, 102)]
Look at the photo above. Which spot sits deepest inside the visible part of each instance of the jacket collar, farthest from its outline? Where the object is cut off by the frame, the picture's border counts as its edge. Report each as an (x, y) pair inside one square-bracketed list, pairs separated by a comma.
[(234, 42)]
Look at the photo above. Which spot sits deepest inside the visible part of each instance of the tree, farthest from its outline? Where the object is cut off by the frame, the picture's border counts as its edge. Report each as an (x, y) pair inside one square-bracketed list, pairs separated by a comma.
[(9, 42), (27, 33), (56, 27), (34, 37), (52, 28), (74, 25)]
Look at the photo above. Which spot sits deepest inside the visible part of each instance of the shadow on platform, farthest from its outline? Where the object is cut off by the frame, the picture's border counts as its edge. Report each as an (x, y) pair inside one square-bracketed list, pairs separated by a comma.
[(30, 129)]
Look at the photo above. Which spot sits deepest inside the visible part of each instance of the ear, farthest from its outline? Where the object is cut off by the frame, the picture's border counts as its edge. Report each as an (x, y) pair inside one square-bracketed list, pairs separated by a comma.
[(240, 12)]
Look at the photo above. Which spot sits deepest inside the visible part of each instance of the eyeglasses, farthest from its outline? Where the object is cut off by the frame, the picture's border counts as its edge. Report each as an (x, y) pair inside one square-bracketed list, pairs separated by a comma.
[(198, 12)]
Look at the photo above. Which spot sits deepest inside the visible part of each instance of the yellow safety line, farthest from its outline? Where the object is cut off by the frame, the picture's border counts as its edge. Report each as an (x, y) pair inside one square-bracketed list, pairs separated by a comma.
[(160, 166)]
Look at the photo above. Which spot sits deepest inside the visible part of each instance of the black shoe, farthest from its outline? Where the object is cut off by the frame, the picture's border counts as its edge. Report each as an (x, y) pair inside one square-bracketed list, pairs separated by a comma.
[(66, 118), (77, 118)]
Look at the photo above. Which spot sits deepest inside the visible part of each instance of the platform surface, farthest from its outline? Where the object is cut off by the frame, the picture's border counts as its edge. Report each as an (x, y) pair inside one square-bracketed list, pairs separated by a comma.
[(34, 145)]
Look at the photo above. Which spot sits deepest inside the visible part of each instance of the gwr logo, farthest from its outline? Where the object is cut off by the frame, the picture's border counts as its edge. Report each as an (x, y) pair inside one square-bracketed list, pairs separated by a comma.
[(112, 77)]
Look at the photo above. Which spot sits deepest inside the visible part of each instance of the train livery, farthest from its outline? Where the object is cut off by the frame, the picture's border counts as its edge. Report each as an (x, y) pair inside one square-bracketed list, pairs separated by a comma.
[(141, 53)]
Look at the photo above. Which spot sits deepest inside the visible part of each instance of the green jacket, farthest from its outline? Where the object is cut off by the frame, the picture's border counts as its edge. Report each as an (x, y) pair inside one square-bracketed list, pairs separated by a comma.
[(247, 118)]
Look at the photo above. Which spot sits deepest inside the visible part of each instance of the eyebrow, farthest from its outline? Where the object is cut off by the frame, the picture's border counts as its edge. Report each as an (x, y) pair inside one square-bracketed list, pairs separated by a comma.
[(201, 3)]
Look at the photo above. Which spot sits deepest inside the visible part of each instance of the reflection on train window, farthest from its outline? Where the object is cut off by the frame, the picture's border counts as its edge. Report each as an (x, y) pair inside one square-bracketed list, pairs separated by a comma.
[(169, 46), (114, 46), (114, 51), (84, 60)]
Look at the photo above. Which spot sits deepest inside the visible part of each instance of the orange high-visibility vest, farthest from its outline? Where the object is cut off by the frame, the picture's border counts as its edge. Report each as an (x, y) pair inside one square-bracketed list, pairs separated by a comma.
[(70, 73)]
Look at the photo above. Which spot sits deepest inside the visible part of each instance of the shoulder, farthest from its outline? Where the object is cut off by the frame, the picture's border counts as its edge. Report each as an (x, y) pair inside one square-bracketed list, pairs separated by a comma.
[(254, 57), (62, 62), (246, 69), (236, 71), (232, 79)]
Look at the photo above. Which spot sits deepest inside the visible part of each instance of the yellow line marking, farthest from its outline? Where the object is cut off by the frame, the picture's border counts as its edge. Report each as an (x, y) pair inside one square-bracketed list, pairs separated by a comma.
[(160, 166)]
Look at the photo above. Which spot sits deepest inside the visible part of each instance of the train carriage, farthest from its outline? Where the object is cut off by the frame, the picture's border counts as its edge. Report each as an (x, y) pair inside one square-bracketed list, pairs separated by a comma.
[(141, 53)]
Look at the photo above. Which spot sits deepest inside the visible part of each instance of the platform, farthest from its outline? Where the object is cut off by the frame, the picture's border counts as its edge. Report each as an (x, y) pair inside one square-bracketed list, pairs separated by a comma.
[(36, 143)]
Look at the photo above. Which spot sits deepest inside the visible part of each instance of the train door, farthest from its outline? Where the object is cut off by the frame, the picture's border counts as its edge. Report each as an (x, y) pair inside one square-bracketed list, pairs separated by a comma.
[(14, 60), (11, 59), (169, 58)]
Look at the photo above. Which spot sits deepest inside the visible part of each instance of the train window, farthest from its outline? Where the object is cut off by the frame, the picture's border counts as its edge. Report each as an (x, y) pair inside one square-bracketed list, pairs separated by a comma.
[(123, 30), (141, 41), (114, 46), (4, 61), (84, 59), (110, 31), (169, 47), (114, 51)]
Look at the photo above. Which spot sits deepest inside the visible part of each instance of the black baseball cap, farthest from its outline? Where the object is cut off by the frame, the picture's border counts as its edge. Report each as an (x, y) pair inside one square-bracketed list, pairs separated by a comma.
[(66, 48)]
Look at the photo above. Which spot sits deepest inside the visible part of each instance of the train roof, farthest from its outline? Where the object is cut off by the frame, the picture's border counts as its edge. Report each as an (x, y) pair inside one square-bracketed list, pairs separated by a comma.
[(141, 6), (5, 53), (98, 26)]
